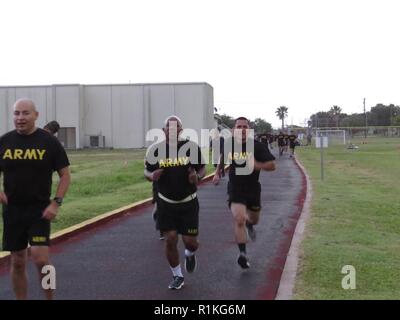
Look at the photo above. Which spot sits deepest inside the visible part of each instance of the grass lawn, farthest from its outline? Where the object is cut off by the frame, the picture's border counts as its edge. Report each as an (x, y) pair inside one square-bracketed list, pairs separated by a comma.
[(355, 221), (102, 180)]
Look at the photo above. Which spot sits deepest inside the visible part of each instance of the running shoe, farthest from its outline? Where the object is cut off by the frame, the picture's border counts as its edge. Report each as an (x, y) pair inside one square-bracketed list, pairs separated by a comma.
[(243, 261), (176, 283), (190, 264)]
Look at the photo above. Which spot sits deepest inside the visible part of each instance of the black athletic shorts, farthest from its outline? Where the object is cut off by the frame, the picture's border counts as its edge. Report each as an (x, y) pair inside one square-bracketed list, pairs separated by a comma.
[(182, 217), (252, 200), (23, 225), (292, 145)]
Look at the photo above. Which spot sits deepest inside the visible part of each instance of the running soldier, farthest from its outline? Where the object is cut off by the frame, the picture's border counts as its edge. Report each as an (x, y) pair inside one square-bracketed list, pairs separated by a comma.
[(28, 158), (176, 166), (244, 190)]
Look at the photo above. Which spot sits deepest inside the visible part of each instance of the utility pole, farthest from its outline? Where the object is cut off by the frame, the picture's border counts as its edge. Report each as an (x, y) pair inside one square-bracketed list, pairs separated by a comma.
[(322, 157), (366, 122)]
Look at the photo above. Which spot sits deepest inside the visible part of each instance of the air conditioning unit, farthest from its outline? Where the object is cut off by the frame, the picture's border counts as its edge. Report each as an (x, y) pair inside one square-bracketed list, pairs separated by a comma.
[(97, 141)]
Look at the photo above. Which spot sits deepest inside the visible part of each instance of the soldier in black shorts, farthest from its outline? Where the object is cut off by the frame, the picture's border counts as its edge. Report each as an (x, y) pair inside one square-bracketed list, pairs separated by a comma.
[(244, 190), (177, 166), (286, 141), (292, 143), (281, 142), (28, 158), (271, 140)]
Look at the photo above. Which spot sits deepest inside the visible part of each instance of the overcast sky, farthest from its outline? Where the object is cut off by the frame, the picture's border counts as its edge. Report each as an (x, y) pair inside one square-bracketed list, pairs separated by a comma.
[(258, 55)]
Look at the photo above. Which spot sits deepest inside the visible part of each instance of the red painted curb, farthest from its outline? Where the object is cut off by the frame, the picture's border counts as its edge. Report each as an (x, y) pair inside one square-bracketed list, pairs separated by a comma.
[(274, 273)]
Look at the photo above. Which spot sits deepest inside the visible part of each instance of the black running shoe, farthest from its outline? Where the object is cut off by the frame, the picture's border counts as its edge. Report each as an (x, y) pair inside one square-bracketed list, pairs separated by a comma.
[(251, 232), (177, 283), (243, 261), (190, 263)]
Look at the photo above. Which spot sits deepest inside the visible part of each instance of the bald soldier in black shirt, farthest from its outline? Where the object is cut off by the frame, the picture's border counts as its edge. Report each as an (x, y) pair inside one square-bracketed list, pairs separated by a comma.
[(244, 190), (28, 158)]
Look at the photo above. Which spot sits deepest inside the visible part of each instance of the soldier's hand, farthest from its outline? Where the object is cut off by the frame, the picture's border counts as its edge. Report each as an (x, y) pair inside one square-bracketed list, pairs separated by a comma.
[(51, 211), (216, 178), (193, 179), (3, 198)]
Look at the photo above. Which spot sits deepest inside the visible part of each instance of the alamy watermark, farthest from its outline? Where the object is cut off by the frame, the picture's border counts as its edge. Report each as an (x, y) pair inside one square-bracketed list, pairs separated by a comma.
[(234, 141), (349, 280), (49, 277)]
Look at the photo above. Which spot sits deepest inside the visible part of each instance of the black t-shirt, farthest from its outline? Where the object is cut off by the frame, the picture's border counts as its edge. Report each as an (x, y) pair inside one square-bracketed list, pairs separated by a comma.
[(174, 181), (246, 183), (292, 138), (264, 138), (281, 138), (28, 163)]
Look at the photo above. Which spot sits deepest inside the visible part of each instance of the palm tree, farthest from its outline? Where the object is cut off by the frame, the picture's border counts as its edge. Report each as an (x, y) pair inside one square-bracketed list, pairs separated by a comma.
[(335, 111), (281, 113)]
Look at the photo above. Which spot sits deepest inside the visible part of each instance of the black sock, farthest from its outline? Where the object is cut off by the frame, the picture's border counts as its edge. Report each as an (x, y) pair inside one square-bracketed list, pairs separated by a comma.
[(242, 247)]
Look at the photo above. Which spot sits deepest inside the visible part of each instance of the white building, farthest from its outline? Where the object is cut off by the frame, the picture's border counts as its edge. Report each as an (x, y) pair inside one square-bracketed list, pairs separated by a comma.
[(117, 115)]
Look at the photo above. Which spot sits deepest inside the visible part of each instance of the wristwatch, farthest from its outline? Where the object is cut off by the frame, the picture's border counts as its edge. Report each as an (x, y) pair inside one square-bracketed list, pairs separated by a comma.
[(58, 200)]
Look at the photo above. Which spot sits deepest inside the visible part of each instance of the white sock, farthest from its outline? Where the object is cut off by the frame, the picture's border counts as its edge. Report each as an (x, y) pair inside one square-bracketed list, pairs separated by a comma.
[(189, 253), (177, 272)]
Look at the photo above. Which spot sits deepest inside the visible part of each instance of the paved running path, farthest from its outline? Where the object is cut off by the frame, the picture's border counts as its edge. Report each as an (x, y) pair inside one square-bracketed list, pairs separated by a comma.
[(123, 259)]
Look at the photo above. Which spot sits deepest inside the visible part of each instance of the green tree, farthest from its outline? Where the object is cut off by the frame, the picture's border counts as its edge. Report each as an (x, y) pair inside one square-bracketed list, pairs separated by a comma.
[(396, 121), (262, 126), (228, 120), (383, 115), (282, 113), (322, 119), (335, 112)]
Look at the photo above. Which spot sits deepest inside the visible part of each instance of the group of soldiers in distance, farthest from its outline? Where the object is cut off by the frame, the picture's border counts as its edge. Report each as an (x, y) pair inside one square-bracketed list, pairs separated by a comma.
[(283, 141)]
